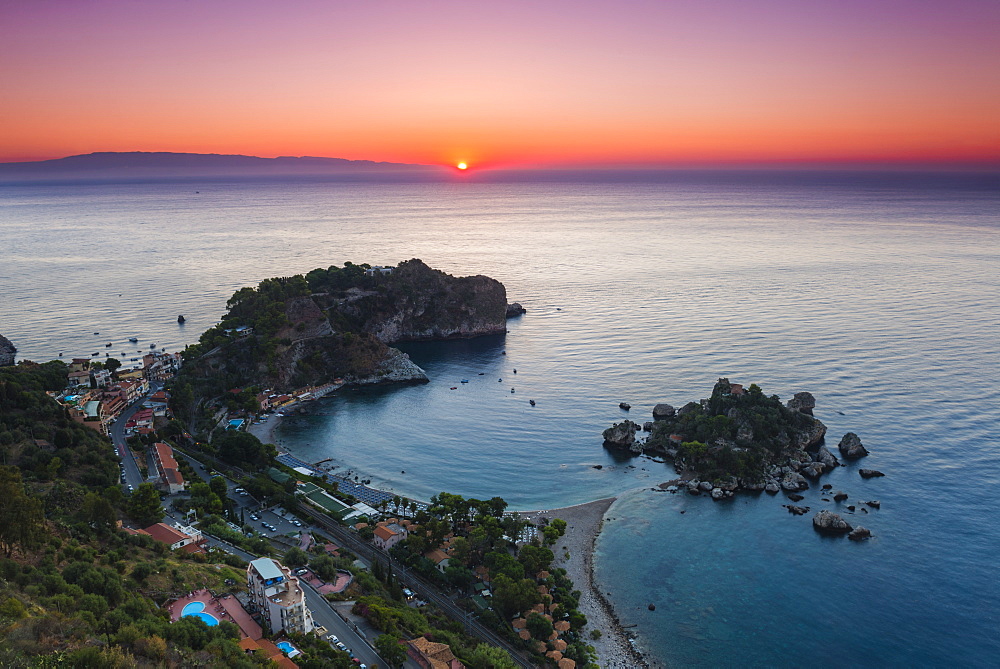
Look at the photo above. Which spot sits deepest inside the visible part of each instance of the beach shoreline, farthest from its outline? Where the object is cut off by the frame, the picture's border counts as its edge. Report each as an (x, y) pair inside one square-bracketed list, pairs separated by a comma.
[(615, 649)]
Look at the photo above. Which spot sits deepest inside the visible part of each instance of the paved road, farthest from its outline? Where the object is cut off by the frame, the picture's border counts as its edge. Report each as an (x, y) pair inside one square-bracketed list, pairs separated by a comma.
[(133, 477), (323, 613), (414, 582)]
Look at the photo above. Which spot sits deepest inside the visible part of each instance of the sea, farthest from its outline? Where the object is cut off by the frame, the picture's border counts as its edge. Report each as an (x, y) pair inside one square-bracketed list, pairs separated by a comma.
[(878, 292)]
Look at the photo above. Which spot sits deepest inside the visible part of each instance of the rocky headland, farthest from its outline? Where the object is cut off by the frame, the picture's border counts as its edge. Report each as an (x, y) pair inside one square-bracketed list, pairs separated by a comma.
[(7, 351), (339, 323)]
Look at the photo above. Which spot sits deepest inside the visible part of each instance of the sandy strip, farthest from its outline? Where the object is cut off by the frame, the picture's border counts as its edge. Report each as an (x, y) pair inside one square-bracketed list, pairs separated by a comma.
[(584, 521)]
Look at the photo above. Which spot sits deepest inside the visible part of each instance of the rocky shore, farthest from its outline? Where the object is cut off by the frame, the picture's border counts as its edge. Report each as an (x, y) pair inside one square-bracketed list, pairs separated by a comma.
[(583, 523), (7, 352)]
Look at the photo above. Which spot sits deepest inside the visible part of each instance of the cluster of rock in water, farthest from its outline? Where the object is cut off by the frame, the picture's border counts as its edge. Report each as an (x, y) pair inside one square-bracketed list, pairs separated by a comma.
[(804, 461)]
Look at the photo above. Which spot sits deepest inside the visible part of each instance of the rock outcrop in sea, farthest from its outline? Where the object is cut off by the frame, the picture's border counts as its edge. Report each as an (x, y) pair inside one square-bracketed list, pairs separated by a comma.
[(827, 522), (7, 352), (851, 447)]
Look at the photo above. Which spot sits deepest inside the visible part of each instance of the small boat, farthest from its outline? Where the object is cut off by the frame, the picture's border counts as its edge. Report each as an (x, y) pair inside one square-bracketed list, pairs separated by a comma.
[(94, 355), (531, 402), (133, 339), (453, 388), (108, 345), (465, 380), (152, 346), (180, 319), (482, 373), (97, 333), (511, 391), (515, 371)]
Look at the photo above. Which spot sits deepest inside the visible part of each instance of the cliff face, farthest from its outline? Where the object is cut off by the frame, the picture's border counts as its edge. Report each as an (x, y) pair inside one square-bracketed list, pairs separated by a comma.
[(416, 302), (7, 352), (337, 323)]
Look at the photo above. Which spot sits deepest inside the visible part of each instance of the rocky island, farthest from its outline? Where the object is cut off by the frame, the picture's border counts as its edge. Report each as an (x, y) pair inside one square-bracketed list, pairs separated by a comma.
[(739, 438), (339, 324)]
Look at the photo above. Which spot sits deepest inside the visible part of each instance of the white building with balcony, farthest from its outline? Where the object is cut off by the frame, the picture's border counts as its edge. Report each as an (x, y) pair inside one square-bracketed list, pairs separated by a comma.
[(278, 596)]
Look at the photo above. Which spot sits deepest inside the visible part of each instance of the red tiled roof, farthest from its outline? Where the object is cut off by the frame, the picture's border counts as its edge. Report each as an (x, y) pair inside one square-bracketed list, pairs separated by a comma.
[(384, 533), (165, 534)]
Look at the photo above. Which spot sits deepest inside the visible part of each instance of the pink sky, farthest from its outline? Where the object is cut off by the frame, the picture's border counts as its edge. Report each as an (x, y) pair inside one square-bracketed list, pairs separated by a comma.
[(505, 83)]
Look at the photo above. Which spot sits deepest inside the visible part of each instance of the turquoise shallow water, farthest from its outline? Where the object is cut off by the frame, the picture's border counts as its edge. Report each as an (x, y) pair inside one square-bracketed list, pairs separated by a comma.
[(879, 294)]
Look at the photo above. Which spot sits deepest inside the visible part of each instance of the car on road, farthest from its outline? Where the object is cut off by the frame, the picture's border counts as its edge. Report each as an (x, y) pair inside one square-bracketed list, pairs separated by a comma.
[(340, 645), (254, 516), (332, 638)]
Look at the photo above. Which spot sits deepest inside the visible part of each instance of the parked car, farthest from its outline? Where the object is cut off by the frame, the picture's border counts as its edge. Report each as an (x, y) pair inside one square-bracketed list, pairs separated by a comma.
[(332, 638)]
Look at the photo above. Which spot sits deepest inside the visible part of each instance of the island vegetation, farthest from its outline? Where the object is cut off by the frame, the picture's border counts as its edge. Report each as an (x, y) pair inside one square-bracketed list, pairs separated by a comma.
[(738, 438)]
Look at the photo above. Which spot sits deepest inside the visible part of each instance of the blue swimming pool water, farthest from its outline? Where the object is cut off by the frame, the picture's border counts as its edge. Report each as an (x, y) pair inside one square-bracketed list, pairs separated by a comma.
[(287, 648), (235, 424), (197, 609)]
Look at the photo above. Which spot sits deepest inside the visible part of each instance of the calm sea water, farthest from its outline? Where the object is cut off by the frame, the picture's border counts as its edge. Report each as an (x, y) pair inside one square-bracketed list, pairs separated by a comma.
[(877, 293)]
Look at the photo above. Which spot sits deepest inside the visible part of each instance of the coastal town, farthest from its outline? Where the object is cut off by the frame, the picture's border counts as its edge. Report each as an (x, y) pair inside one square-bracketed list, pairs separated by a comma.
[(491, 570)]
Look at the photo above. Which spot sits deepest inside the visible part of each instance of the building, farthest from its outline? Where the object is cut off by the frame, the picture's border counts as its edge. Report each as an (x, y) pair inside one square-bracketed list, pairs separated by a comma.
[(187, 538), (431, 655), (170, 479), (388, 535), (378, 270), (277, 596)]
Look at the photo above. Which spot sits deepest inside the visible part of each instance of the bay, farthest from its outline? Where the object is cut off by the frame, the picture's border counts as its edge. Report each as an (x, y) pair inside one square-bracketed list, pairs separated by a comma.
[(878, 293)]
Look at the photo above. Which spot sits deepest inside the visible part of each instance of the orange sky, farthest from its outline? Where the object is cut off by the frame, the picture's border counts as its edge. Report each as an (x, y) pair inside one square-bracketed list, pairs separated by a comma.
[(499, 84)]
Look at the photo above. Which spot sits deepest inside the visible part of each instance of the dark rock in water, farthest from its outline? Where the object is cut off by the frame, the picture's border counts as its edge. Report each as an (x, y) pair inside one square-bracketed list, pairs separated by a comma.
[(851, 447), (795, 497), (622, 435), (827, 522), (647, 426), (515, 309), (598, 467), (859, 534), (773, 488), (875, 504), (839, 496), (531, 402), (663, 412), (624, 405), (828, 459), (802, 402), (870, 473), (7, 351), (180, 319), (651, 607), (827, 486), (812, 469), (793, 481), (851, 507), (796, 510)]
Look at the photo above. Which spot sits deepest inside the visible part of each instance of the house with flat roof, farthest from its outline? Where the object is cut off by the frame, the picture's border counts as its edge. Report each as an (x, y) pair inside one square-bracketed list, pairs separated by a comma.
[(278, 597)]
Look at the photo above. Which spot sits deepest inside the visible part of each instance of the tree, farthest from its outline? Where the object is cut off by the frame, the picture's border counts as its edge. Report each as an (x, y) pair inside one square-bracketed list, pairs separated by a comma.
[(218, 485), (485, 655), (539, 626), (97, 511), (144, 505), (112, 364), (21, 519), (512, 596), (295, 557), (390, 649)]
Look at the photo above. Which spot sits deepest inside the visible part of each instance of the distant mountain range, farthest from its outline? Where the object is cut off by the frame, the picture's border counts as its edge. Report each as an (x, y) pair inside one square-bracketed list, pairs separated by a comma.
[(142, 164)]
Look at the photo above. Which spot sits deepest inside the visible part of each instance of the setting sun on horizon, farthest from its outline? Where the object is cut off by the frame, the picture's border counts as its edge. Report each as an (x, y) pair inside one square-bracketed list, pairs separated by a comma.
[(564, 83)]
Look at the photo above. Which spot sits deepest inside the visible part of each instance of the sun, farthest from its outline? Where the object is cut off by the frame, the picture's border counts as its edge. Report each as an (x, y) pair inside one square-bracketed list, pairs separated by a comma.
[(462, 166)]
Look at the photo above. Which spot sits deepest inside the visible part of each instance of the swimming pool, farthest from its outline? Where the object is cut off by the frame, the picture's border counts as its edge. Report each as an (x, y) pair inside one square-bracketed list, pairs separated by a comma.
[(288, 649), (235, 424), (197, 609)]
